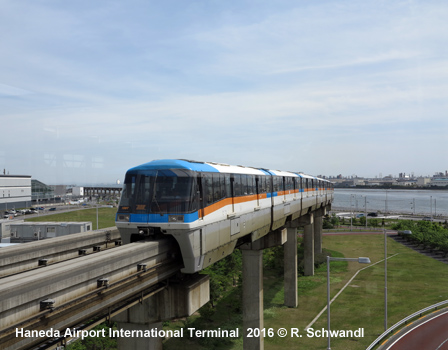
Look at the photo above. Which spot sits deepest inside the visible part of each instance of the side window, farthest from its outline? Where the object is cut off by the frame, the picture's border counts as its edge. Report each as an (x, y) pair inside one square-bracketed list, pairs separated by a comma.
[(222, 183), (251, 184), (228, 192), (237, 185), (261, 184), (276, 181), (208, 189), (244, 190), (268, 183), (216, 187)]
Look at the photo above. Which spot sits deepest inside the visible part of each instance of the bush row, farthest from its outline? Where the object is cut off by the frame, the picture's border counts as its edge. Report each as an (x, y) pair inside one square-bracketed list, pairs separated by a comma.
[(425, 233)]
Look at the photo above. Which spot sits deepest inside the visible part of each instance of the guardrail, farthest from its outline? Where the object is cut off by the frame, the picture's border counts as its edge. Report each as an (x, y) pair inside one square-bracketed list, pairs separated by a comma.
[(404, 320)]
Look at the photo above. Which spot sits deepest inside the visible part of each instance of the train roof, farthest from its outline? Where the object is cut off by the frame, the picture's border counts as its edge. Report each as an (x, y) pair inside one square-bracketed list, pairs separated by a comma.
[(212, 167)]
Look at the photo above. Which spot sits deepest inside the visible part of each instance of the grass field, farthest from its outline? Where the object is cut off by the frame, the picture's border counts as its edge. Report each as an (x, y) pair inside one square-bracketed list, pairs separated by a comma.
[(414, 282), (106, 217)]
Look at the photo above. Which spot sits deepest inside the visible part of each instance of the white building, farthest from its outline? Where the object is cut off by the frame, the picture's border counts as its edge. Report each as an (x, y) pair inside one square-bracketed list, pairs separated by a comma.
[(439, 181), (78, 191), (15, 191)]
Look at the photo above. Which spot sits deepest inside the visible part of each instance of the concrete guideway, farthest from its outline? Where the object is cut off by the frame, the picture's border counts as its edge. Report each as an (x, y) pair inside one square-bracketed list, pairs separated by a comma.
[(68, 293), (430, 332), (31, 255)]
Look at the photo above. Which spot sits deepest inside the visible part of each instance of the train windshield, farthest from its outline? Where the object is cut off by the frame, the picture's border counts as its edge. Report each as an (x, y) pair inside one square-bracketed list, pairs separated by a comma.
[(165, 191)]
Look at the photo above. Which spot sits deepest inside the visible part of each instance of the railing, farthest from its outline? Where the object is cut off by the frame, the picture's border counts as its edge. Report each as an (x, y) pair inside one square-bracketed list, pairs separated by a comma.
[(404, 320)]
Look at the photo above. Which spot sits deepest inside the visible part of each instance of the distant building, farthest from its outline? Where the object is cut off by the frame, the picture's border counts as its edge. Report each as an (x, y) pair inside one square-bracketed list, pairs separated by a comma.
[(423, 181), (78, 191), (15, 191), (406, 181), (439, 181)]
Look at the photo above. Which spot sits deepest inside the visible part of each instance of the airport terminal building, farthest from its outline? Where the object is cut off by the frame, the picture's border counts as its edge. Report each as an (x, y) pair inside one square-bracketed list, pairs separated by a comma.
[(15, 191)]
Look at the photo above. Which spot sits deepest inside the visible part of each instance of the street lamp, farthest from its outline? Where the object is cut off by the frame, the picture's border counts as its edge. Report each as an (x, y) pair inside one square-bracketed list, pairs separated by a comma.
[(361, 260)]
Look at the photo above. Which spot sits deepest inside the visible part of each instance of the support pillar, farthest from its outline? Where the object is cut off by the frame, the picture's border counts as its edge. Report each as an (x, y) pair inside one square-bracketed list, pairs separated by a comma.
[(252, 297), (317, 235), (308, 242), (290, 268)]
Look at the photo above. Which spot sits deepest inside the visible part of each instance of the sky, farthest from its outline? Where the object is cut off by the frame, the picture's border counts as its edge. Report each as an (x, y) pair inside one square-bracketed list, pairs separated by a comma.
[(89, 89)]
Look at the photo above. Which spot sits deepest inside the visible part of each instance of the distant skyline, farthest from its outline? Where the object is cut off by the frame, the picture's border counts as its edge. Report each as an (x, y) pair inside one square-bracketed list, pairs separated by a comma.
[(91, 89)]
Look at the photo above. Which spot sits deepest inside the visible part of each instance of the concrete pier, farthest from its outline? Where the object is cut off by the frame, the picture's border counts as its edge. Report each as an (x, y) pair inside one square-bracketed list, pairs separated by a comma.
[(308, 242), (253, 285), (252, 297), (290, 267), (317, 234)]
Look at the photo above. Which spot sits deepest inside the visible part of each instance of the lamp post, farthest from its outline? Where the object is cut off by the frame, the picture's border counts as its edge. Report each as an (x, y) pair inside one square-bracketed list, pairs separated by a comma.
[(385, 279), (361, 260)]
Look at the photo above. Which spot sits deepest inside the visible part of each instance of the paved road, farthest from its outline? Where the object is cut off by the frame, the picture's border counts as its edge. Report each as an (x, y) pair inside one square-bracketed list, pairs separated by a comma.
[(428, 333)]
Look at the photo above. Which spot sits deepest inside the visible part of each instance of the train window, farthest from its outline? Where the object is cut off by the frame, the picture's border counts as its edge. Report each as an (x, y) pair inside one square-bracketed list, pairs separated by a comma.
[(268, 184), (227, 191), (159, 191), (261, 183), (208, 189), (237, 185), (251, 184), (244, 188), (289, 184), (265, 183), (216, 187), (277, 181)]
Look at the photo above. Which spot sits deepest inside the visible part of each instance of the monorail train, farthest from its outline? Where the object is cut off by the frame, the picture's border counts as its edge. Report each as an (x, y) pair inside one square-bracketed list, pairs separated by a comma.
[(209, 208)]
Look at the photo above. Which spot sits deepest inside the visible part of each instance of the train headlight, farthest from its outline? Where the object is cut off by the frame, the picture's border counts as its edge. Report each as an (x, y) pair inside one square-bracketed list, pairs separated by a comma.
[(176, 218), (123, 217)]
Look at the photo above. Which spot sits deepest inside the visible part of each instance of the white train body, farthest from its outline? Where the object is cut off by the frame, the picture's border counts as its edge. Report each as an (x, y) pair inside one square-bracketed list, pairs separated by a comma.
[(208, 208)]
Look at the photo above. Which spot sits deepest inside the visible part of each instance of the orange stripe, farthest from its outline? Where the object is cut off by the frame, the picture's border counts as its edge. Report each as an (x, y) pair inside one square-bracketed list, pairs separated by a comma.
[(218, 205), (243, 199)]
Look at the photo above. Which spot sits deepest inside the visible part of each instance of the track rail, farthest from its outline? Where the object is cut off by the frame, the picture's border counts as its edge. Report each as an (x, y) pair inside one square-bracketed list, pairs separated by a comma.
[(67, 294)]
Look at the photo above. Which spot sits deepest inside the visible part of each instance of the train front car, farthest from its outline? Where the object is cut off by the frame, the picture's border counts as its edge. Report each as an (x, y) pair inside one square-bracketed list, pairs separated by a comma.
[(205, 207)]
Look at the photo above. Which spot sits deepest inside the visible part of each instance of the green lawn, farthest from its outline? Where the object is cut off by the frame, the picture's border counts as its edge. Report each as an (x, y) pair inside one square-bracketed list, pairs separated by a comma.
[(106, 217)]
